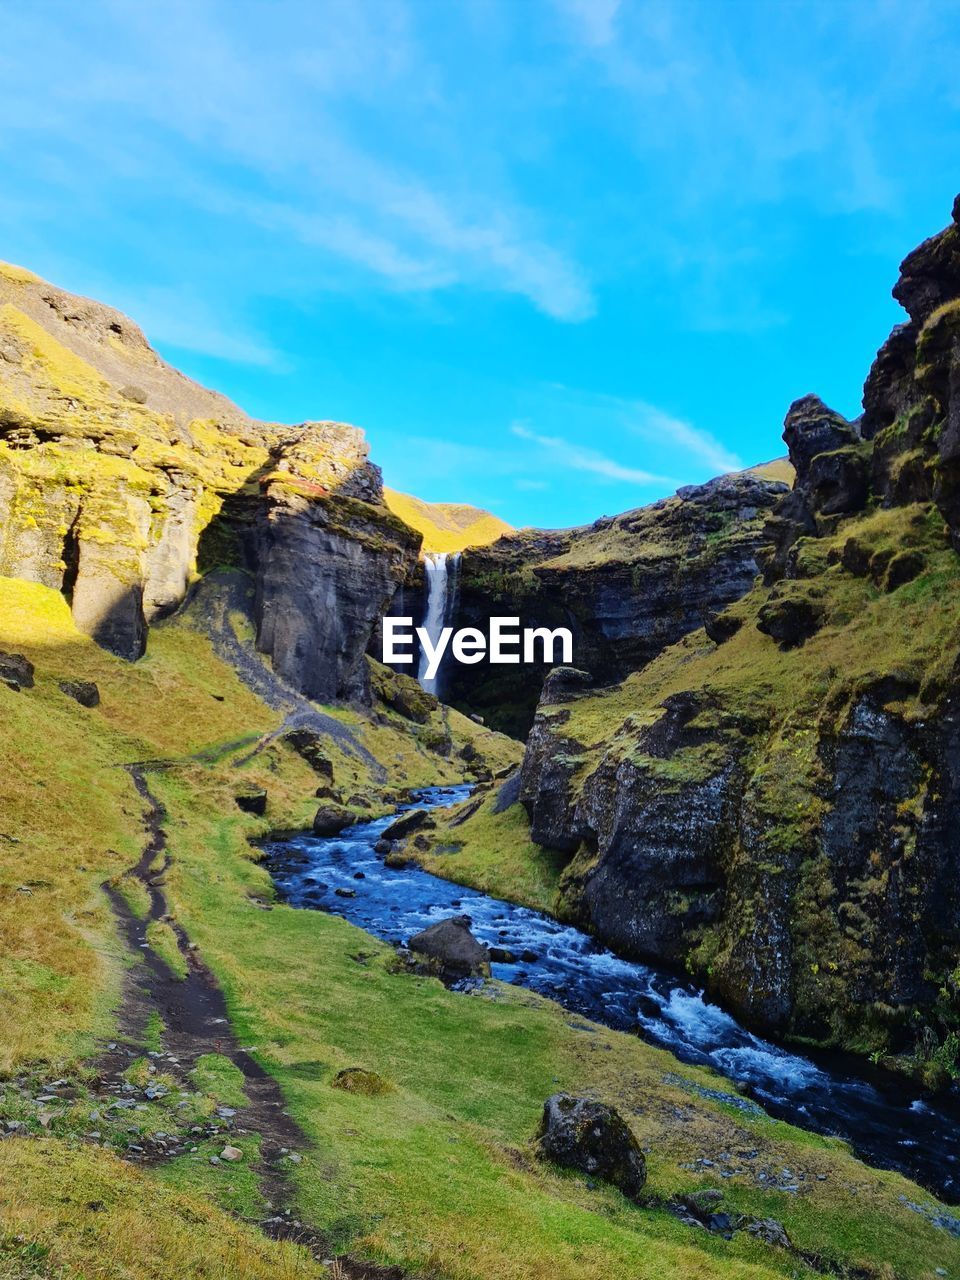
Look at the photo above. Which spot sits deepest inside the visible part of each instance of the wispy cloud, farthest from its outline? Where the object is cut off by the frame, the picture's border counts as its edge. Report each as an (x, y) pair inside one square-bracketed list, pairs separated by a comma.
[(174, 319), (576, 458), (673, 441), (652, 424), (270, 125)]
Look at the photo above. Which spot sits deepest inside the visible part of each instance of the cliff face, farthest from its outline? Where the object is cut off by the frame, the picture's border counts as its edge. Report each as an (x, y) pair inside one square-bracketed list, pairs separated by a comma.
[(120, 479), (626, 586), (774, 801)]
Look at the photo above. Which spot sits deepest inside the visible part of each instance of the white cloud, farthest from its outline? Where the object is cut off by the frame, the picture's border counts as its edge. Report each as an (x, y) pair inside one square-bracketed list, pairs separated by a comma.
[(576, 458), (652, 424), (266, 119)]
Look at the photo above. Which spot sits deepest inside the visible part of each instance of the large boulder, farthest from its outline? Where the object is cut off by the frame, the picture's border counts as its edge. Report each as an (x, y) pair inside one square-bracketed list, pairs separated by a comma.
[(330, 820), (407, 823), (594, 1139), (453, 949), (252, 800)]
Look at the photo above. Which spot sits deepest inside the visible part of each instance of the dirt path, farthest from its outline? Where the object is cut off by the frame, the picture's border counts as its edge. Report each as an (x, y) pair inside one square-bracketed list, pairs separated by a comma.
[(193, 1012)]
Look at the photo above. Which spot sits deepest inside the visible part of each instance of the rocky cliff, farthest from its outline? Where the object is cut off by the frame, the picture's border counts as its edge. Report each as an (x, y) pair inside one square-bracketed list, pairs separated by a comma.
[(120, 480), (774, 801), (626, 586)]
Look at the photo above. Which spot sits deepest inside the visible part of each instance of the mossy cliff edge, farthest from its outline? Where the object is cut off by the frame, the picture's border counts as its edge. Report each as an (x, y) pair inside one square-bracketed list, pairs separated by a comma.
[(121, 480), (774, 800)]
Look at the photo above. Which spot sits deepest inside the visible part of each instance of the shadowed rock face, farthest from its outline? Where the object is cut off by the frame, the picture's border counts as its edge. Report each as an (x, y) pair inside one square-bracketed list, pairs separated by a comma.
[(783, 822), (327, 568), (626, 586)]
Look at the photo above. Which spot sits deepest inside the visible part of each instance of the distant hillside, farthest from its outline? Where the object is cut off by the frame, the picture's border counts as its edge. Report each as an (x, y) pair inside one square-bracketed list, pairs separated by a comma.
[(447, 526), (778, 469)]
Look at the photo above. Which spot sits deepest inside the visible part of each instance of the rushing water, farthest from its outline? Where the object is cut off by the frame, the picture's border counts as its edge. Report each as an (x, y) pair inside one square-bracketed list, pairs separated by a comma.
[(440, 573), (887, 1123)]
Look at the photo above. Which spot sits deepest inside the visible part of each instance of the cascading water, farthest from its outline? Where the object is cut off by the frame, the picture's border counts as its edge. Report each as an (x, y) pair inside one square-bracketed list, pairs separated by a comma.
[(440, 579)]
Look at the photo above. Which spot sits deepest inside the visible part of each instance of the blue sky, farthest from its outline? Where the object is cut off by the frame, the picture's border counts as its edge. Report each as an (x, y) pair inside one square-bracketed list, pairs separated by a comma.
[(557, 257)]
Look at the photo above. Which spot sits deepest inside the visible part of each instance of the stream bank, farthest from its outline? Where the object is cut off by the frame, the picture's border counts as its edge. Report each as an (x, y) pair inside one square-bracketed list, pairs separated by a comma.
[(887, 1123)]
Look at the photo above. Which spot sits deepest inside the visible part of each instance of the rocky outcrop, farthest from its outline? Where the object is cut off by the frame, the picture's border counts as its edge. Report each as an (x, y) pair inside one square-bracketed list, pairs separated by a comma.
[(626, 586), (771, 802), (331, 819), (591, 1138), (85, 692), (328, 560), (121, 480)]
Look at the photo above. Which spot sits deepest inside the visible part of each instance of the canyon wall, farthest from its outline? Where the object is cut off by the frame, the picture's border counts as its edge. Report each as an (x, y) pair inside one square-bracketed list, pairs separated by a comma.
[(774, 801)]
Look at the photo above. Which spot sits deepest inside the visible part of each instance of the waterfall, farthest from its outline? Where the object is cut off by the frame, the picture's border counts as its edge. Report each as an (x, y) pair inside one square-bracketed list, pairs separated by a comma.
[(440, 582)]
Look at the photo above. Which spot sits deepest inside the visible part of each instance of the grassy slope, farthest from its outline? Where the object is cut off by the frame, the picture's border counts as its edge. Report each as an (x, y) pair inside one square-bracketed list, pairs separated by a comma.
[(446, 526), (492, 852), (437, 1173)]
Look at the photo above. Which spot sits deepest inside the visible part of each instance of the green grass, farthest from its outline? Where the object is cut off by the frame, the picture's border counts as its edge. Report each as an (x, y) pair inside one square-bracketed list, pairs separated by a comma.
[(216, 1075), (493, 852), (436, 1174), (439, 1173)]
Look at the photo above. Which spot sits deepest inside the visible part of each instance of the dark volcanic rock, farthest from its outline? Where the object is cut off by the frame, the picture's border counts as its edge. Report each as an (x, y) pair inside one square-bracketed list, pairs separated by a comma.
[(453, 948), (592, 1138), (790, 620), (253, 801), (312, 746), (721, 627), (317, 624), (407, 823), (331, 819), (626, 587), (83, 691), (16, 671)]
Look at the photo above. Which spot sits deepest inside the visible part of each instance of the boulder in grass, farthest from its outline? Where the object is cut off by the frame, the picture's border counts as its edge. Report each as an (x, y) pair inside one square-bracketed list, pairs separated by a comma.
[(83, 691), (16, 671), (358, 1080), (253, 800), (592, 1138)]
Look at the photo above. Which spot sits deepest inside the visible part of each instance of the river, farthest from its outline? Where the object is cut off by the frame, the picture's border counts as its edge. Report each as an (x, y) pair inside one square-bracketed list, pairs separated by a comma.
[(886, 1121)]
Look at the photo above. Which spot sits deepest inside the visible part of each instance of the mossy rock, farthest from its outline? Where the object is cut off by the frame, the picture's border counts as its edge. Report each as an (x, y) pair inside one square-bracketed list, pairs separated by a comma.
[(359, 1080)]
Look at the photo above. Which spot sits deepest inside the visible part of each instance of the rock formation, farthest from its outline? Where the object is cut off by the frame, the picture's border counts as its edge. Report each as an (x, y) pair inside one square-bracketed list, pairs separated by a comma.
[(627, 586), (120, 479), (592, 1138), (773, 802)]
